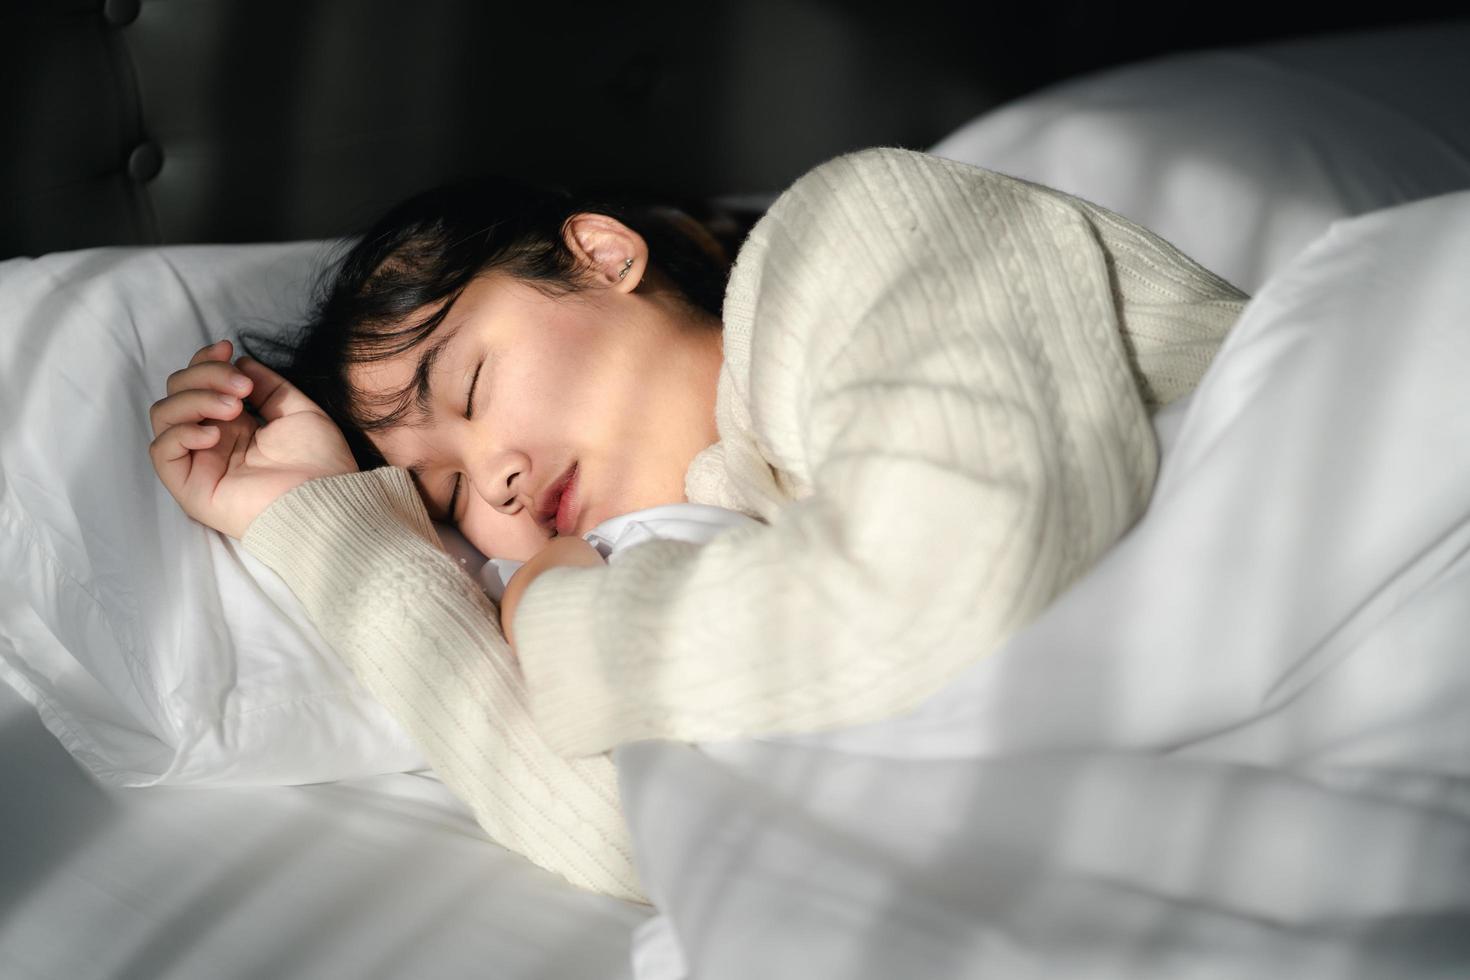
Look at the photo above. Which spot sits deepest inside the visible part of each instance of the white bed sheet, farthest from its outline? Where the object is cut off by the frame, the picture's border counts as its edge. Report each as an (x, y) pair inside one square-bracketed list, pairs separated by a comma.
[(387, 876), (1240, 747)]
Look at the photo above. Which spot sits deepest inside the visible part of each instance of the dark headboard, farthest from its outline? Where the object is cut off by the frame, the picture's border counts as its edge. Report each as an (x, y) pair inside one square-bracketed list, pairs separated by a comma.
[(150, 121)]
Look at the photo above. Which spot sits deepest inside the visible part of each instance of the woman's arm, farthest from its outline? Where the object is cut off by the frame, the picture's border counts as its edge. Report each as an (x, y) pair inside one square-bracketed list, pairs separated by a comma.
[(359, 552), (941, 357)]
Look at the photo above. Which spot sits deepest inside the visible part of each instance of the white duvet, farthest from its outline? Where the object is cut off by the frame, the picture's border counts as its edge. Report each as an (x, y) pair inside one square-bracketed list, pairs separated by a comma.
[(1238, 748)]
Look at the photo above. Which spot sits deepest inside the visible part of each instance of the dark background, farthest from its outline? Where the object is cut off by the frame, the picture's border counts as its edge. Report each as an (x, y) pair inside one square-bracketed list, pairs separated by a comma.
[(253, 120)]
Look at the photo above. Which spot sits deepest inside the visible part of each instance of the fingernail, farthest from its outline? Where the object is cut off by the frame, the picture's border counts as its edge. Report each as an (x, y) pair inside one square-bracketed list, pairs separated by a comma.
[(239, 382), (228, 401)]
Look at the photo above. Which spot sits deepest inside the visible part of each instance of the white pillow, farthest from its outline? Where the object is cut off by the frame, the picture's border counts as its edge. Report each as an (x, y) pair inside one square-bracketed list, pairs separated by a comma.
[(156, 650), (1242, 157)]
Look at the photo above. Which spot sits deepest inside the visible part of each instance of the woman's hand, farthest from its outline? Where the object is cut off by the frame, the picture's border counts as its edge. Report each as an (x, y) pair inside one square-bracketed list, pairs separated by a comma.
[(220, 464), (558, 552)]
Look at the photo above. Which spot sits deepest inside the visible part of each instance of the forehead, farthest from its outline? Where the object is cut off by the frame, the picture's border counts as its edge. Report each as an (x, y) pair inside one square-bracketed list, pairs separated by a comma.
[(407, 370), (474, 307), (413, 370)]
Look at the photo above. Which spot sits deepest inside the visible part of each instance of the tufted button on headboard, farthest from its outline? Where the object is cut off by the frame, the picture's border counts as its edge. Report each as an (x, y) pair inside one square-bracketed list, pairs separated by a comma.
[(145, 162), (119, 13)]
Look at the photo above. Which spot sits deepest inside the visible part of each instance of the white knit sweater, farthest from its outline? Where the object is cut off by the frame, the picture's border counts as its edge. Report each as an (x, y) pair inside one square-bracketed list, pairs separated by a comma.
[(935, 397)]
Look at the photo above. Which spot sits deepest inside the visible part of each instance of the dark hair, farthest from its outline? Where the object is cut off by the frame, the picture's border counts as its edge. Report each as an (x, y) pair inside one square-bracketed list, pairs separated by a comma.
[(428, 249)]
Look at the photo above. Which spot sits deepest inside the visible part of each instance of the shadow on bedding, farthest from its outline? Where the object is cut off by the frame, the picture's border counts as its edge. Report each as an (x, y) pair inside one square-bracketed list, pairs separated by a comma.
[(49, 807)]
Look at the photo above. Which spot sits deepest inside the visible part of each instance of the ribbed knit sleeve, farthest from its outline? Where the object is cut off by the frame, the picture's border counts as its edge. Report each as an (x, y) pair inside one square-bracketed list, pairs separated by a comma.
[(359, 552), (1174, 312), (937, 379)]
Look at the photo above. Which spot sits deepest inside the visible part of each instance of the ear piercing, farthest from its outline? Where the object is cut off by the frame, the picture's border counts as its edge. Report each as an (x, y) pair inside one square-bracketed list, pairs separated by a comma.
[(627, 264)]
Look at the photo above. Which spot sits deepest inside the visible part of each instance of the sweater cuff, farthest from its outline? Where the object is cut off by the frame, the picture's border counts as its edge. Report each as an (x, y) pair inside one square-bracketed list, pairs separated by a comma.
[(574, 699), (359, 513)]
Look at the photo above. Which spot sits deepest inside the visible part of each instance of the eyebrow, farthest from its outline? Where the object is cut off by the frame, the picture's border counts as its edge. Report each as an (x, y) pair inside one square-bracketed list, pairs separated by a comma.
[(423, 375)]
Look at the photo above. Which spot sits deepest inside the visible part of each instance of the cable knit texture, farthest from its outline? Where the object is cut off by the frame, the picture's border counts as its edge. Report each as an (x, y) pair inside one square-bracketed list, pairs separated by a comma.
[(935, 398)]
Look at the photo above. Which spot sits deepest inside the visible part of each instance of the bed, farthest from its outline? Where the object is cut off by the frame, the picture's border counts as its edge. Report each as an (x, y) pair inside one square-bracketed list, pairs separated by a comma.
[(1238, 747)]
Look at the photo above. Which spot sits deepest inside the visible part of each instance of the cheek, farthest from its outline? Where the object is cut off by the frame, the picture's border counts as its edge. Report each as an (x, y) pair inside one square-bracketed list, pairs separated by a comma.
[(573, 390), (498, 535)]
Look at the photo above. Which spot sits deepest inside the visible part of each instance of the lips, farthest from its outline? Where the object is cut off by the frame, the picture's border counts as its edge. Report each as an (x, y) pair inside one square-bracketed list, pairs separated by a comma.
[(569, 506), (550, 502)]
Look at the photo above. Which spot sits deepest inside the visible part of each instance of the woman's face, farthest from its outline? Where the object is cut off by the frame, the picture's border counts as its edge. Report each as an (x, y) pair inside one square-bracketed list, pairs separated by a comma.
[(612, 385)]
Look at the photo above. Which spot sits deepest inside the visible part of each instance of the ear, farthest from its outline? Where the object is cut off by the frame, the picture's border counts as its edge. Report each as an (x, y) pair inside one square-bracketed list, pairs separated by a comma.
[(603, 245)]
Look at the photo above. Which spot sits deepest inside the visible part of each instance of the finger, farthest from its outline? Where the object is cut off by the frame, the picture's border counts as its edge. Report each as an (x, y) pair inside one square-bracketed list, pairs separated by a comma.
[(194, 405), (220, 350), (273, 395), (218, 376), (572, 550), (171, 452)]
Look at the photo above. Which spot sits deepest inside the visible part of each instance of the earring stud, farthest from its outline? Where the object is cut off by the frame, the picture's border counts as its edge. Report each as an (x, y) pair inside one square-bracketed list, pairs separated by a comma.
[(627, 264)]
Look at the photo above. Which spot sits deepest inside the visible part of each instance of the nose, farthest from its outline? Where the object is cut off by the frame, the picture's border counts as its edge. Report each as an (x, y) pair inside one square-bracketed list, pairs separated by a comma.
[(500, 481)]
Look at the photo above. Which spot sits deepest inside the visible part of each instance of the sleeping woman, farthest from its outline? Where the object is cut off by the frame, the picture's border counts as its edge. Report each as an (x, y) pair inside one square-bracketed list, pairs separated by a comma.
[(929, 384)]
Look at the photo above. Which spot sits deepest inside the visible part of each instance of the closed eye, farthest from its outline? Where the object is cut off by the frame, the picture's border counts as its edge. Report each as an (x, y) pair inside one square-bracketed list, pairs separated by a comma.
[(469, 400), (469, 414), (454, 498)]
